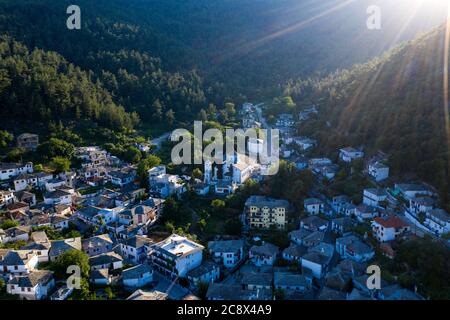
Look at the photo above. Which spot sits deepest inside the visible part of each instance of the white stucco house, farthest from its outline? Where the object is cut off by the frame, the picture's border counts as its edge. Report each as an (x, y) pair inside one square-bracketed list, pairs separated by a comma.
[(176, 255), (387, 229), (33, 286), (378, 171), (349, 154), (137, 276)]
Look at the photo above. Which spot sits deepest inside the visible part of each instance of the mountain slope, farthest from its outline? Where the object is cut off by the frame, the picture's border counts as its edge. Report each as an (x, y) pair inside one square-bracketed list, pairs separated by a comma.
[(42, 86), (394, 103), (247, 47)]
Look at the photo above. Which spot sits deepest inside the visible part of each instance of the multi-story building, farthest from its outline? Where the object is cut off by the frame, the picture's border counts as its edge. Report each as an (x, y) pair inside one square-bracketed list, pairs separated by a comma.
[(378, 171), (387, 229), (349, 154), (373, 196), (28, 141), (92, 156), (438, 220), (10, 170), (265, 212), (176, 255), (6, 198), (227, 252)]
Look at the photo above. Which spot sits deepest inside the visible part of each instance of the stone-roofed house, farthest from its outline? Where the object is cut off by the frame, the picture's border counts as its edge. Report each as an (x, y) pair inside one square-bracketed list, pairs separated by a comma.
[(97, 245), (58, 197), (59, 222), (18, 261), (121, 177), (60, 246), (6, 198), (257, 280), (40, 245), (135, 249), (297, 236), (341, 225), (314, 223), (438, 220), (141, 214), (364, 212), (287, 281), (374, 196), (227, 252), (411, 190), (10, 170), (348, 209), (25, 197), (100, 276), (14, 234), (137, 276), (31, 180), (33, 286), (351, 247), (205, 273), (314, 239), (148, 295), (349, 154), (420, 205), (340, 277), (294, 252), (379, 171), (29, 141), (317, 259), (313, 205), (265, 254), (109, 260)]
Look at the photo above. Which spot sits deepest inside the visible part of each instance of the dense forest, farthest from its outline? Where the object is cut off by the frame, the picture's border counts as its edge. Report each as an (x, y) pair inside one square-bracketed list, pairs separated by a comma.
[(238, 47), (167, 62), (42, 86), (394, 103)]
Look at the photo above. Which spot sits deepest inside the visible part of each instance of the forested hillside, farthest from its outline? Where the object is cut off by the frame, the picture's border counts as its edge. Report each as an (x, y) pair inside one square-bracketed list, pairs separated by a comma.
[(394, 103), (42, 86), (237, 47)]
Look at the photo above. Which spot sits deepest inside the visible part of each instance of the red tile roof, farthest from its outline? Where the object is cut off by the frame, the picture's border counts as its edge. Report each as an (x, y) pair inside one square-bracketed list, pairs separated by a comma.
[(391, 222)]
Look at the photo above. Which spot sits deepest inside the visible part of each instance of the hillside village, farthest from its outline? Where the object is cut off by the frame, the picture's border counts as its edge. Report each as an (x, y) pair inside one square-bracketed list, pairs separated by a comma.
[(105, 215)]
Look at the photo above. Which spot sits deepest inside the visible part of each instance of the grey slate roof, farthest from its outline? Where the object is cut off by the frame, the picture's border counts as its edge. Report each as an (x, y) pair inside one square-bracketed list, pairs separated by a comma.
[(136, 271), (61, 246), (32, 279), (138, 241), (204, 268), (105, 258), (287, 279), (262, 201), (225, 245), (257, 279)]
